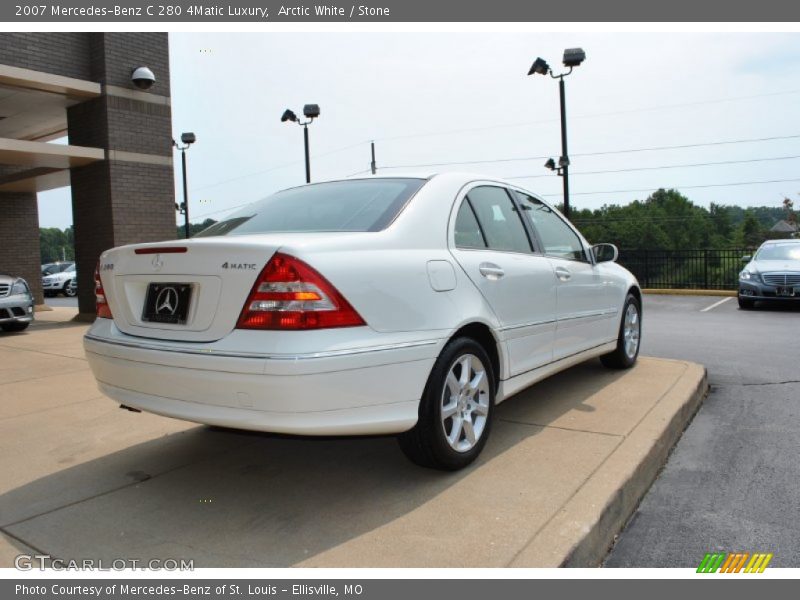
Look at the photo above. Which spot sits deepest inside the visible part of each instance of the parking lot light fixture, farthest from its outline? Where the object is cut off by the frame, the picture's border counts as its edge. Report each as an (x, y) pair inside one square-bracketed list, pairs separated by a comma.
[(573, 57), (187, 139), (540, 67), (310, 112)]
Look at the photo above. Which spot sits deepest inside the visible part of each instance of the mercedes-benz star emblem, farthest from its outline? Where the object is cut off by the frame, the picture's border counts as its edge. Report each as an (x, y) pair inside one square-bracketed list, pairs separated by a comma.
[(157, 262), (167, 301)]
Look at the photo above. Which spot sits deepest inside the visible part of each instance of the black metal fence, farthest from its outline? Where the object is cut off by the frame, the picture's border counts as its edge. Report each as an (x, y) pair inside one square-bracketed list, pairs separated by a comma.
[(685, 269)]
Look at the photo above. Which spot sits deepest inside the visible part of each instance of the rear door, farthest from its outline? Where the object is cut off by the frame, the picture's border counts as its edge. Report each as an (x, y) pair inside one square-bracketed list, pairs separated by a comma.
[(492, 245), (584, 311)]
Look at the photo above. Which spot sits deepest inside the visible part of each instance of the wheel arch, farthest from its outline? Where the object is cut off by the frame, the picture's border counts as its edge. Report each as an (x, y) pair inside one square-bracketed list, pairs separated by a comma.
[(483, 335), (637, 293)]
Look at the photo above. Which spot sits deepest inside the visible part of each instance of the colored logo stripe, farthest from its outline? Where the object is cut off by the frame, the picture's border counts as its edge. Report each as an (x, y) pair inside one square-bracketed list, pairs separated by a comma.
[(758, 563), (734, 562)]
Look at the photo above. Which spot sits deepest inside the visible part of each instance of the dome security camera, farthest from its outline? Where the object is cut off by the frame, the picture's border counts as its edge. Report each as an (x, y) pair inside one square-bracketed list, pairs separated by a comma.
[(143, 78)]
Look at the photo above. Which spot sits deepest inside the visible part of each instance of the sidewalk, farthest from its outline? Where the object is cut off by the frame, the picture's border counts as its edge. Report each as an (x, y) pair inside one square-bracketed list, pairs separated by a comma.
[(566, 464)]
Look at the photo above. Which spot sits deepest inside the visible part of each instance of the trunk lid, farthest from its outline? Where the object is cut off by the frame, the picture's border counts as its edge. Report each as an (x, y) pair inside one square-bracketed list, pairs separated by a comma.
[(211, 278)]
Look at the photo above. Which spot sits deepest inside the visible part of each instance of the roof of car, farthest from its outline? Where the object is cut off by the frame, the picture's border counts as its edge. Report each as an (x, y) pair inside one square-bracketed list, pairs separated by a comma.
[(786, 241)]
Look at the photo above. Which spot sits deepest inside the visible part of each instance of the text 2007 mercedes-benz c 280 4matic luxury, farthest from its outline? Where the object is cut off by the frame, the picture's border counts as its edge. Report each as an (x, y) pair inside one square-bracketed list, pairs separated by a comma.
[(380, 305)]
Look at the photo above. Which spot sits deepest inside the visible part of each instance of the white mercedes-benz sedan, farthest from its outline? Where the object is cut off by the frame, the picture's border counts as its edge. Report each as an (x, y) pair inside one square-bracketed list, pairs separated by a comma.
[(378, 305)]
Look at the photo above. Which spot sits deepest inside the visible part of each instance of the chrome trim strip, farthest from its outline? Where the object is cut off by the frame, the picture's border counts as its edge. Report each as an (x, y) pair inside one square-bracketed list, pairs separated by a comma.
[(610, 311), (532, 324), (211, 352), (596, 313)]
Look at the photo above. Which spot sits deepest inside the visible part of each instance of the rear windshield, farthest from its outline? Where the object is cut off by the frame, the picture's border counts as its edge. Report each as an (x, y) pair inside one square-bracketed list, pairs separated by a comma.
[(357, 205), (779, 252)]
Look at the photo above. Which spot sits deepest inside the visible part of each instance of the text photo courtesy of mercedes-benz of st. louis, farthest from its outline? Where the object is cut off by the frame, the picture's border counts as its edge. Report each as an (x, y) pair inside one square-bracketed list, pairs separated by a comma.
[(376, 305)]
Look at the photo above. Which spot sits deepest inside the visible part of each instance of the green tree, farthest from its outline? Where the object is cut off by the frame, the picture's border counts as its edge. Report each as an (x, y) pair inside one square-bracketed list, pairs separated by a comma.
[(55, 244), (751, 232)]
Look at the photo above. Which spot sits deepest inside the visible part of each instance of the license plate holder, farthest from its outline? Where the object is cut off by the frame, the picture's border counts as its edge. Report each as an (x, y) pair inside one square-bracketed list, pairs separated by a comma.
[(167, 303), (784, 291)]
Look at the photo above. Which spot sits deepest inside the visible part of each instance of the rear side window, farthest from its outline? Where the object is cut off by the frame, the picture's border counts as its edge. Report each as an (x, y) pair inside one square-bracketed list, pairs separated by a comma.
[(357, 205), (499, 220), (557, 237), (467, 231)]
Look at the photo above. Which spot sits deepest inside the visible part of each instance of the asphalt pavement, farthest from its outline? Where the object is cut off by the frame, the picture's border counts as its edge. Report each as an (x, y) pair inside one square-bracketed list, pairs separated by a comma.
[(732, 482), (61, 301)]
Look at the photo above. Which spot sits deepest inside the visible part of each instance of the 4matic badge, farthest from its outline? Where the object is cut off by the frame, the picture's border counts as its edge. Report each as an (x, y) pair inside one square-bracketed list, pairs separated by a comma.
[(239, 266)]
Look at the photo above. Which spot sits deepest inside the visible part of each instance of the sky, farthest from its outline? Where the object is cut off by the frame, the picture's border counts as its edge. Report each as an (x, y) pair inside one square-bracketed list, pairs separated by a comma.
[(445, 97)]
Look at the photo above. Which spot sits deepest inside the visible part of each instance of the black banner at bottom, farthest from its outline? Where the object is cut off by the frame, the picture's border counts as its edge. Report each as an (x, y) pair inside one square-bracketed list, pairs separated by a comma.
[(732, 586)]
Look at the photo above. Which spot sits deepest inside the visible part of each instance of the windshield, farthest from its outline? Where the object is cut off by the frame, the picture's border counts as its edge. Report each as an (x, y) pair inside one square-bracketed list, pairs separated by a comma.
[(779, 252), (357, 205), (52, 268)]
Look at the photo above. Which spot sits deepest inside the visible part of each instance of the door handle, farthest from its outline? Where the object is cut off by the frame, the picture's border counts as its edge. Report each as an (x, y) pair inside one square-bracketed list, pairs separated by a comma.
[(491, 271), (563, 274)]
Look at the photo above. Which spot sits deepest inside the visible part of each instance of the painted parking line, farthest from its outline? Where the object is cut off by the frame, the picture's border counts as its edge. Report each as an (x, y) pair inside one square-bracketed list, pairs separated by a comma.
[(715, 305)]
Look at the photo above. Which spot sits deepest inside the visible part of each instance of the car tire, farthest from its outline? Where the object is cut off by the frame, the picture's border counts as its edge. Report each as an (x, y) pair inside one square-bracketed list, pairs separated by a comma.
[(629, 338), (9, 327), (745, 303), (441, 439), (68, 291)]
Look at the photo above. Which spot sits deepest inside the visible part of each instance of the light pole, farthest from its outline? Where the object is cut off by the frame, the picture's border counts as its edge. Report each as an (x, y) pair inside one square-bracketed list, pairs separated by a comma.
[(310, 112), (572, 58), (187, 139)]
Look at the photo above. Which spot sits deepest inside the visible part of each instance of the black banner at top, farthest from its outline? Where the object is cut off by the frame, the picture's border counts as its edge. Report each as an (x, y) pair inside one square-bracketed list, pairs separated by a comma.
[(376, 11)]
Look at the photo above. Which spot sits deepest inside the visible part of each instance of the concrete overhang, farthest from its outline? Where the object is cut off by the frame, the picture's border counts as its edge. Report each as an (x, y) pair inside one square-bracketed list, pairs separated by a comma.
[(33, 105), (42, 166), (47, 82)]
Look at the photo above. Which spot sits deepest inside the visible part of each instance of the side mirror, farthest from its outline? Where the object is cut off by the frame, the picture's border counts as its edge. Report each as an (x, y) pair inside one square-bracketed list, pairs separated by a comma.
[(605, 253), (747, 258)]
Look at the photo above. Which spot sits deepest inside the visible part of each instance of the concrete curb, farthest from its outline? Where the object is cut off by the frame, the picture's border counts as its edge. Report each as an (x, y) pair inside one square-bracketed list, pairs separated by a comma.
[(689, 292), (581, 534)]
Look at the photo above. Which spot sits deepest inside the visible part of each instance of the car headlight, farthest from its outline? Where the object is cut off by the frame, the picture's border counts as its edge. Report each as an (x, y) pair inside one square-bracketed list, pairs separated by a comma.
[(19, 287), (749, 276)]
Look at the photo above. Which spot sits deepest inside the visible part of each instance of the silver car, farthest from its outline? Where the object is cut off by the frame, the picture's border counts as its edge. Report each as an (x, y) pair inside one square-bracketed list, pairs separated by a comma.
[(773, 273), (16, 303)]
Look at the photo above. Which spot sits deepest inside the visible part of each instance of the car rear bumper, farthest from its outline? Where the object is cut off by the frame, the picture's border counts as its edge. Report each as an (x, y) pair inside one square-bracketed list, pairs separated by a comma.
[(357, 393)]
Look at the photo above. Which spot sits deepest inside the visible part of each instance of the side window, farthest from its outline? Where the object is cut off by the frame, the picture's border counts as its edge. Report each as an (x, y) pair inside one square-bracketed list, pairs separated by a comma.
[(499, 220), (557, 238), (467, 231)]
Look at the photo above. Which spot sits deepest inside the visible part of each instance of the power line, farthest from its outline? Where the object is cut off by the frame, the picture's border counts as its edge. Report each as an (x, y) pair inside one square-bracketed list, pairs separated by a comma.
[(680, 187), (486, 128), (681, 166), (684, 187), (277, 167), (601, 153), (586, 116)]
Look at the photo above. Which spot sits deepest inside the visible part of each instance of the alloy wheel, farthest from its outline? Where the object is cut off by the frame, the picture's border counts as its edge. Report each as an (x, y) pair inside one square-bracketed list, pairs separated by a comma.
[(465, 402), (631, 331)]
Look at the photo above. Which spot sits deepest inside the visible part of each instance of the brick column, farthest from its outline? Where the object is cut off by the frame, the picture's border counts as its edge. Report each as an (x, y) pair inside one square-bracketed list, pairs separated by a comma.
[(19, 222), (129, 197)]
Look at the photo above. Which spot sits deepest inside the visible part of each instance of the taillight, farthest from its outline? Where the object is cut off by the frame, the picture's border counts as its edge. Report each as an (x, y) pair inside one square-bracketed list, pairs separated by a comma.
[(103, 311), (289, 294)]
